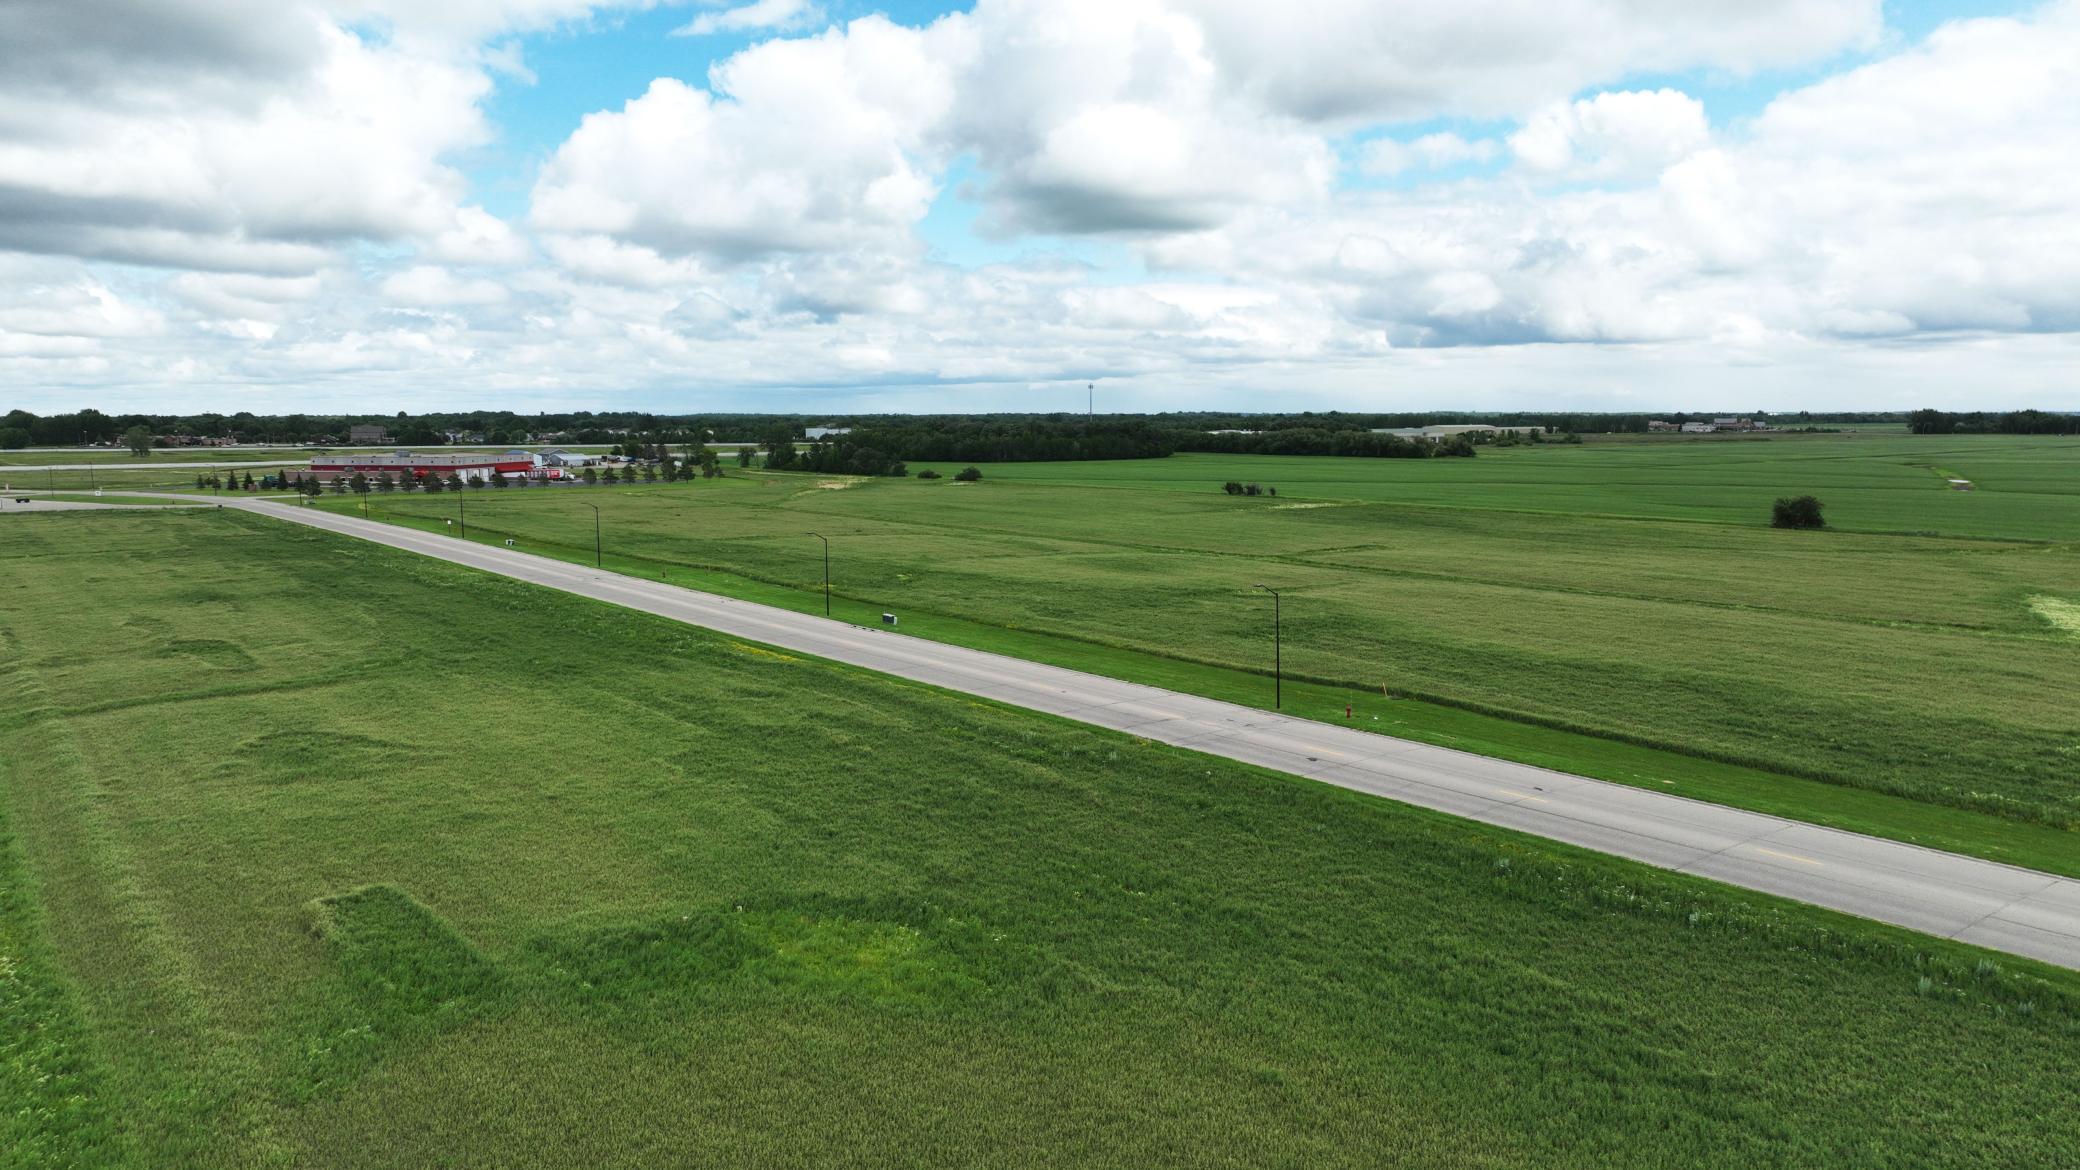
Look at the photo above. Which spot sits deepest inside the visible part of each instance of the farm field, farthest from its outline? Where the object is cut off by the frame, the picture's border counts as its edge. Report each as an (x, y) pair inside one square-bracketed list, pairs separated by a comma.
[(1871, 483), (316, 853), (1931, 668)]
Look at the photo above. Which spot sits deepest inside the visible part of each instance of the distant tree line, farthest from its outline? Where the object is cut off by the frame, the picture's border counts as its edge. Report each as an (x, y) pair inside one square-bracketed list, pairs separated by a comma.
[(887, 447), (1981, 422), (1312, 441), (915, 438)]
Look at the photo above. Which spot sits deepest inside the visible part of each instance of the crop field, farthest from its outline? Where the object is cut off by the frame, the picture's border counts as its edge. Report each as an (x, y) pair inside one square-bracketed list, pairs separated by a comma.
[(1913, 651), (316, 853)]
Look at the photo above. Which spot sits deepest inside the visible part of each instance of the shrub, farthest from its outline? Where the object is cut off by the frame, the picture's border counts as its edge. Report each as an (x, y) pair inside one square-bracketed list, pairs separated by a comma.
[(927, 473), (1232, 488), (1797, 512), (968, 474)]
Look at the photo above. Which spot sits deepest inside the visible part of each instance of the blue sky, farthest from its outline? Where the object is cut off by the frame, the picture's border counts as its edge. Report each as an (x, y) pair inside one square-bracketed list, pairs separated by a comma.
[(605, 61), (1472, 204)]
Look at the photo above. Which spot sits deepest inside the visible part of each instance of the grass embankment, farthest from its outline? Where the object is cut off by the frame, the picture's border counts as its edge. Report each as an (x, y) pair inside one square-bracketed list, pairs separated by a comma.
[(353, 858), (1896, 684)]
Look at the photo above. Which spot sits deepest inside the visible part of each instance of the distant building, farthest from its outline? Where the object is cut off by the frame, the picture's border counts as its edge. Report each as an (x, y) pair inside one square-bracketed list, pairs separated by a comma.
[(1448, 430), (556, 458), (368, 435), (1698, 428), (826, 432), (1660, 425), (472, 466)]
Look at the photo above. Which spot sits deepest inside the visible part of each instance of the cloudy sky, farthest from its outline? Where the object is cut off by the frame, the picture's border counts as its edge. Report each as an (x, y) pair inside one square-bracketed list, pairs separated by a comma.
[(810, 205)]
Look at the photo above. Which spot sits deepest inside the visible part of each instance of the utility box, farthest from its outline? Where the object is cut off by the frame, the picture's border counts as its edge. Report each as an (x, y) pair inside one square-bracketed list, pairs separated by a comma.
[(888, 619)]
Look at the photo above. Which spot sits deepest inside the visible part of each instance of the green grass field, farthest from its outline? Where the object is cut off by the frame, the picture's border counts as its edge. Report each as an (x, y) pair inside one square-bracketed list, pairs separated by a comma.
[(317, 854), (1914, 652)]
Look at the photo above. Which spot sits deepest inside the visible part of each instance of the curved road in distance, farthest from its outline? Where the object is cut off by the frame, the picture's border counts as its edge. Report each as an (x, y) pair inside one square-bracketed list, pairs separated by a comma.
[(1985, 903)]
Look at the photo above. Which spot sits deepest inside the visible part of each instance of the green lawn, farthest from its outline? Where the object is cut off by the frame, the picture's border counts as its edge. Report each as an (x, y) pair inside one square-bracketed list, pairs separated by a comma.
[(1835, 669), (315, 853)]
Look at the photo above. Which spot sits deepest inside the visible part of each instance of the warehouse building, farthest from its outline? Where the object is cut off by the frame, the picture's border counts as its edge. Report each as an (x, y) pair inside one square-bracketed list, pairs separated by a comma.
[(472, 465)]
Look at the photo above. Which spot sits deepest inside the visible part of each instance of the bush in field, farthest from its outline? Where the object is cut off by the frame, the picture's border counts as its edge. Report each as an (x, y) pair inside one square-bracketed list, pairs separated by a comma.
[(1232, 488), (1796, 512), (927, 473), (968, 474)]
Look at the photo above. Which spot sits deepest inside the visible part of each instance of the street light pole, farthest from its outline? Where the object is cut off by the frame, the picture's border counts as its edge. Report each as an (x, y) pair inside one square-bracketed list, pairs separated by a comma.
[(598, 557), (826, 571), (1278, 650), (462, 513)]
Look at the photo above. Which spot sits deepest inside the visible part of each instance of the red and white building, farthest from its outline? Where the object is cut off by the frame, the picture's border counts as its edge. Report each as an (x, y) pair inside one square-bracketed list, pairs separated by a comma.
[(470, 465)]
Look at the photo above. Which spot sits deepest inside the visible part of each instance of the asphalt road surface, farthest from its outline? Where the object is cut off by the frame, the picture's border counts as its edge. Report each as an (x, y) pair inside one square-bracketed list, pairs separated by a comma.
[(18, 503), (1985, 903)]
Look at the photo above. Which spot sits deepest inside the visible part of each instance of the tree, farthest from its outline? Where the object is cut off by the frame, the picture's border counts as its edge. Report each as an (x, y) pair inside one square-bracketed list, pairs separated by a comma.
[(249, 481), (201, 481), (779, 444), (1930, 422), (139, 441), (968, 474), (431, 483), (13, 438), (1796, 512), (407, 482), (359, 483), (610, 476), (591, 476), (498, 479), (743, 457), (454, 481), (649, 473)]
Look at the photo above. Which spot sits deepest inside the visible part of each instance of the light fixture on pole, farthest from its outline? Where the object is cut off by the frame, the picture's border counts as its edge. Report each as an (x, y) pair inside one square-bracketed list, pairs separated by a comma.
[(1278, 650), (826, 571)]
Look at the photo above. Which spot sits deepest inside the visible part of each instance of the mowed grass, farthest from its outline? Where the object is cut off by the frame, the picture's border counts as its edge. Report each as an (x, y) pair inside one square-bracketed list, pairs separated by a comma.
[(1913, 666), (324, 854)]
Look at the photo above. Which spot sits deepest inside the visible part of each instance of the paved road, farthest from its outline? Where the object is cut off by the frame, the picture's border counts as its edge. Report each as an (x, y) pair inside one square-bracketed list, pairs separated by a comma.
[(1982, 902), (148, 465), (8, 504)]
